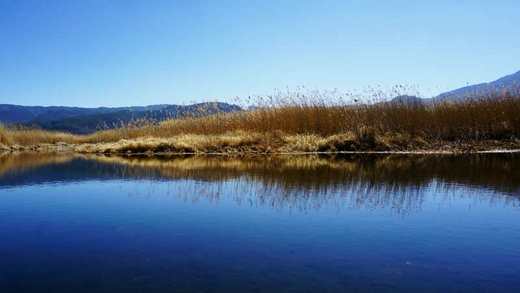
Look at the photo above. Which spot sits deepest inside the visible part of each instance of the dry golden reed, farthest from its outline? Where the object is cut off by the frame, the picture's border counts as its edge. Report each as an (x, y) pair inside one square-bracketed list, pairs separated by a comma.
[(308, 125)]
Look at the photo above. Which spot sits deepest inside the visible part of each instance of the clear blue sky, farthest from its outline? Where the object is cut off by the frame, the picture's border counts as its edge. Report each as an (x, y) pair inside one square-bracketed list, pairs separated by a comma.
[(111, 53)]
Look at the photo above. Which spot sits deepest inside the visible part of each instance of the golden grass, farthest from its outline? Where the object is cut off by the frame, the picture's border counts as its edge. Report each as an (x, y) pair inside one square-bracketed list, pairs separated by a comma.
[(185, 143), (484, 119), (305, 126), (4, 136)]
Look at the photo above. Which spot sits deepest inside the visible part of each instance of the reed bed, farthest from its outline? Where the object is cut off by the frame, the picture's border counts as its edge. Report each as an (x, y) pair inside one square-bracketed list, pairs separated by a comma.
[(313, 125), (483, 119), (4, 136)]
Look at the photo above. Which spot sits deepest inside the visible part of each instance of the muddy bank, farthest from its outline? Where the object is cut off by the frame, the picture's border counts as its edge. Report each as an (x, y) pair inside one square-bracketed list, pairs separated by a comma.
[(263, 145)]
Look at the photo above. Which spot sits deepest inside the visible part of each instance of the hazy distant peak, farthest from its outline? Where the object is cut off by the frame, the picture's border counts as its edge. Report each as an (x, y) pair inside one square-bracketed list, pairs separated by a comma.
[(507, 85)]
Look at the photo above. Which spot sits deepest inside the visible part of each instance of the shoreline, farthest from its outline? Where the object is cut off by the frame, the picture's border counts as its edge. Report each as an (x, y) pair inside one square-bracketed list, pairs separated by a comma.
[(87, 149)]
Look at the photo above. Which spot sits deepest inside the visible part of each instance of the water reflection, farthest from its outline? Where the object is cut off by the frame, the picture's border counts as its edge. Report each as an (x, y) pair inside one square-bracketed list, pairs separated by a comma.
[(74, 223), (397, 182)]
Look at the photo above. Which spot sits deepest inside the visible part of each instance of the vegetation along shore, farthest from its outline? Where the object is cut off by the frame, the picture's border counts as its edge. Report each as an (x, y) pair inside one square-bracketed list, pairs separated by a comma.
[(302, 124)]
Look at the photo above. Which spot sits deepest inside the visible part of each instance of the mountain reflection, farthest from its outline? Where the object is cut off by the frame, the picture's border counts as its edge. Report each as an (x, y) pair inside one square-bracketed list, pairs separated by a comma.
[(398, 182)]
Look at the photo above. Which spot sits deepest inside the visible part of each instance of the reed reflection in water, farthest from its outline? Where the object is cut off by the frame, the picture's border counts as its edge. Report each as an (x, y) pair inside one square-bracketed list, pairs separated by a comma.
[(73, 223), (396, 182)]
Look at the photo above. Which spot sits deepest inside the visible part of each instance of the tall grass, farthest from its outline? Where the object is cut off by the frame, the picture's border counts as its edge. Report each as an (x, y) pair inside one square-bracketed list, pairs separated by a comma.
[(484, 119), (4, 136)]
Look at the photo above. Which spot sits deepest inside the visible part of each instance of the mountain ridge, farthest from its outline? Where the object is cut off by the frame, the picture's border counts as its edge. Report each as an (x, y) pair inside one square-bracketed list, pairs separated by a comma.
[(12, 113), (507, 85), (80, 120)]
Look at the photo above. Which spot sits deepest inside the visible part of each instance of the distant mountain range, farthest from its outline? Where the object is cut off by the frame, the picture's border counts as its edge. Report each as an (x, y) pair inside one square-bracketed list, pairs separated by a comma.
[(88, 120), (507, 85)]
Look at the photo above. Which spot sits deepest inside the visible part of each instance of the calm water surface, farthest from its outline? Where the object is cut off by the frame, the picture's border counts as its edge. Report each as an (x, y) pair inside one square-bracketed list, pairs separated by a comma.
[(285, 224)]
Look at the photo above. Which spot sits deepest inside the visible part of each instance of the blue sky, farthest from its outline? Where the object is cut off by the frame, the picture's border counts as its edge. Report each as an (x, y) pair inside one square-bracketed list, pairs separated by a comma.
[(113, 53)]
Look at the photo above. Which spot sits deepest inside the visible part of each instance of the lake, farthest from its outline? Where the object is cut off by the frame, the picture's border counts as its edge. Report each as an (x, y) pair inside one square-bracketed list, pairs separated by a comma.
[(71, 223)]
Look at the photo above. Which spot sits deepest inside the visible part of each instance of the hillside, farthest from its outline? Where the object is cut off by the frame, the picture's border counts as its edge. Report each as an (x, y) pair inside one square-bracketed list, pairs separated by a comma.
[(409, 100), (88, 120), (15, 114), (507, 85)]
